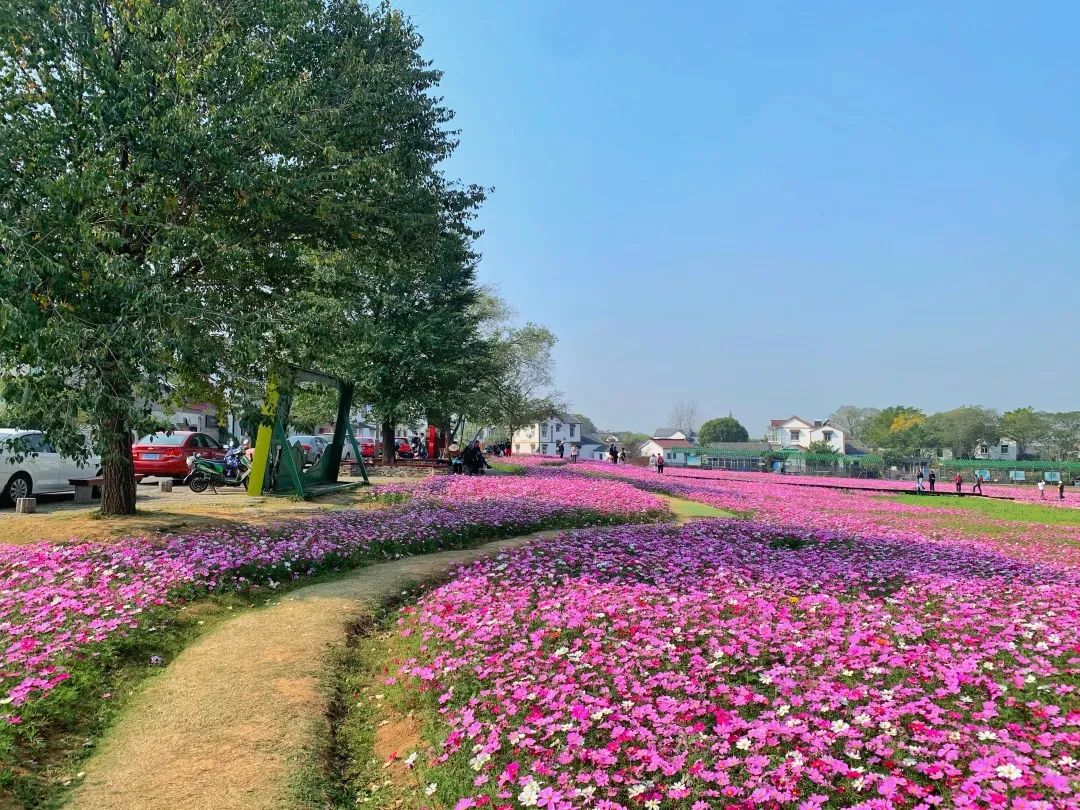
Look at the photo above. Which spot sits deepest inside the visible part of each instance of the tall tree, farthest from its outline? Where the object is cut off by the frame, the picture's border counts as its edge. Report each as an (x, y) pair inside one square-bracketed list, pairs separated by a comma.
[(1023, 426), (683, 414), (962, 429), (724, 429), (171, 174), (522, 393), (1062, 437), (853, 420), (897, 428), (587, 424)]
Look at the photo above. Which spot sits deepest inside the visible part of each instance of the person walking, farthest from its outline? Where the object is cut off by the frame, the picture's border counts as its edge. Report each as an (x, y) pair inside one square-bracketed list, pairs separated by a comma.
[(977, 486), (919, 480), (652, 461), (613, 454), (660, 463), (559, 448), (933, 480), (1061, 489), (622, 455), (959, 481), (1042, 489), (573, 453)]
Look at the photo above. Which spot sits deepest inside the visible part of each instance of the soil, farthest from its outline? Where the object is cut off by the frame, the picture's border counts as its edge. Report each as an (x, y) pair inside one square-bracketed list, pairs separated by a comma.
[(226, 723), (59, 518)]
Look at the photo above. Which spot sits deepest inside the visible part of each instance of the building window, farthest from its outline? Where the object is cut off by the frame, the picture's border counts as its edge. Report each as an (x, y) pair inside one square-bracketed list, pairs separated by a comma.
[(571, 431), (558, 426), (517, 448), (984, 450), (796, 435), (1004, 449), (543, 431), (827, 435)]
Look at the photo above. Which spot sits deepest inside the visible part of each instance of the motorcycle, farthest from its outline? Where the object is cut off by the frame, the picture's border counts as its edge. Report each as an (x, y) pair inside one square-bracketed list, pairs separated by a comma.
[(232, 471)]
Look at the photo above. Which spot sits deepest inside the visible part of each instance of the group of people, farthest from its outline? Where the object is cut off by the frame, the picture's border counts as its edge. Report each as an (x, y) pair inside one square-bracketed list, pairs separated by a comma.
[(575, 451), (616, 455), (976, 483), (656, 462), (1060, 489), (469, 461), (500, 450)]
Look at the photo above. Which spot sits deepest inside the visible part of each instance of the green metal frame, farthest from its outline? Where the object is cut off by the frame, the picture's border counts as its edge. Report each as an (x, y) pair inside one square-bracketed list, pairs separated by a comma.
[(715, 451), (996, 464), (273, 443), (875, 459)]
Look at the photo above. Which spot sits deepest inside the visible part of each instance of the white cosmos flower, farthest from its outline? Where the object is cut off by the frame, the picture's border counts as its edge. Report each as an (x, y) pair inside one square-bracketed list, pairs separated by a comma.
[(1010, 772)]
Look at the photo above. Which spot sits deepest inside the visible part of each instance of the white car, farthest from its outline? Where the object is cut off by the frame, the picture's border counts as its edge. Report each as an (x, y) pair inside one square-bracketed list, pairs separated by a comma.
[(41, 469)]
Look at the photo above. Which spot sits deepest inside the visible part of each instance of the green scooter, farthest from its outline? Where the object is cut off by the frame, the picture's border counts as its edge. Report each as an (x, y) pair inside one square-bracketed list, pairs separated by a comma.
[(232, 471)]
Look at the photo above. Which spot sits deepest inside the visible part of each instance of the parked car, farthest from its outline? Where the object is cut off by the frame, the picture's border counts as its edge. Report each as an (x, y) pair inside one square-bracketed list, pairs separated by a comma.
[(41, 469), (313, 447), (404, 448), (164, 455), (367, 448)]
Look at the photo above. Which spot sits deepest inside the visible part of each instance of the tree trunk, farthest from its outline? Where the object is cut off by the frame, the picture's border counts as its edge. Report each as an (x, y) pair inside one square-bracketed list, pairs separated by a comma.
[(118, 469), (389, 445)]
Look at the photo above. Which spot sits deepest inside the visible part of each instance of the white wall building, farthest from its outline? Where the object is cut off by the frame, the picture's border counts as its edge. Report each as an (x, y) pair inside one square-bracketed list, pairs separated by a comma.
[(798, 434), (542, 438), (1002, 450)]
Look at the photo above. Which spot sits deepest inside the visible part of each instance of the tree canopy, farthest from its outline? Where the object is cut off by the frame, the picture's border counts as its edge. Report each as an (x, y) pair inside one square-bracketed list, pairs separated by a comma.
[(723, 429), (197, 190)]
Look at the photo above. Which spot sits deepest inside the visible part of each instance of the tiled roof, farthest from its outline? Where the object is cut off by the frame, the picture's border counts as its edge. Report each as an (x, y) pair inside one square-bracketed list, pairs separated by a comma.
[(667, 444)]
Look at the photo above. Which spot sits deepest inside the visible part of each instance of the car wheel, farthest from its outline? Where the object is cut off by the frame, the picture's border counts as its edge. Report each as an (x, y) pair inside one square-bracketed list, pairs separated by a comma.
[(18, 486)]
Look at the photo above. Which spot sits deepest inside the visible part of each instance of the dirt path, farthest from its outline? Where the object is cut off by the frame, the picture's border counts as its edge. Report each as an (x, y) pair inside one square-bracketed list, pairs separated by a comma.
[(224, 725)]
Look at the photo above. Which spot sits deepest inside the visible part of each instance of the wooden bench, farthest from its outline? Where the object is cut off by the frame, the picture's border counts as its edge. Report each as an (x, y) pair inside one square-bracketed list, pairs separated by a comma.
[(84, 487)]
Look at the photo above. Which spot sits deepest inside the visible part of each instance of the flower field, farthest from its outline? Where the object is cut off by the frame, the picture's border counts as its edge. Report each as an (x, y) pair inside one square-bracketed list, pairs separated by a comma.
[(61, 602), (736, 664), (854, 512)]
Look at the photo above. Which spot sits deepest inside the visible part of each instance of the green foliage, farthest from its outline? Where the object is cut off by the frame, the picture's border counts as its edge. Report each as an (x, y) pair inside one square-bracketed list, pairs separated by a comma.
[(190, 190), (587, 424), (897, 428), (632, 441), (313, 405), (961, 430), (520, 393), (853, 420), (724, 429), (822, 448), (1023, 425)]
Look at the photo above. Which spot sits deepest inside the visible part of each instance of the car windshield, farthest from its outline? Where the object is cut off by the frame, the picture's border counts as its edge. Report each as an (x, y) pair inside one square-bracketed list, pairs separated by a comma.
[(175, 440)]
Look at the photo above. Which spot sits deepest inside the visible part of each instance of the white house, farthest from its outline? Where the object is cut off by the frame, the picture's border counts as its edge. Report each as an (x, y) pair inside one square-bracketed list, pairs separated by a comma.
[(1003, 450), (542, 438), (665, 446), (591, 447), (798, 434), (665, 440), (201, 416), (675, 434)]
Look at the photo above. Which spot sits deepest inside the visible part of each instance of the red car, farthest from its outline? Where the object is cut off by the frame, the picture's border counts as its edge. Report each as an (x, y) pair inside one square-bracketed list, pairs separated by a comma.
[(164, 455)]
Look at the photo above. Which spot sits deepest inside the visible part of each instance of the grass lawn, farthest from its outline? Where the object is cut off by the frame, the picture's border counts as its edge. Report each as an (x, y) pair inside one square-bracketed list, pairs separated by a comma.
[(688, 510), (997, 509)]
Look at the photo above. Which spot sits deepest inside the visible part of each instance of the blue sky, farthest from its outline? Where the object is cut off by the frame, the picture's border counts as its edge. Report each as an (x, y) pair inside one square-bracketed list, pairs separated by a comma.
[(775, 208)]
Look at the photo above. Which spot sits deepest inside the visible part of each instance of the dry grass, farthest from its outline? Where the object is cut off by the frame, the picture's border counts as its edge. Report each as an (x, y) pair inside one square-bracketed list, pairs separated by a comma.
[(226, 722), (59, 518)]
